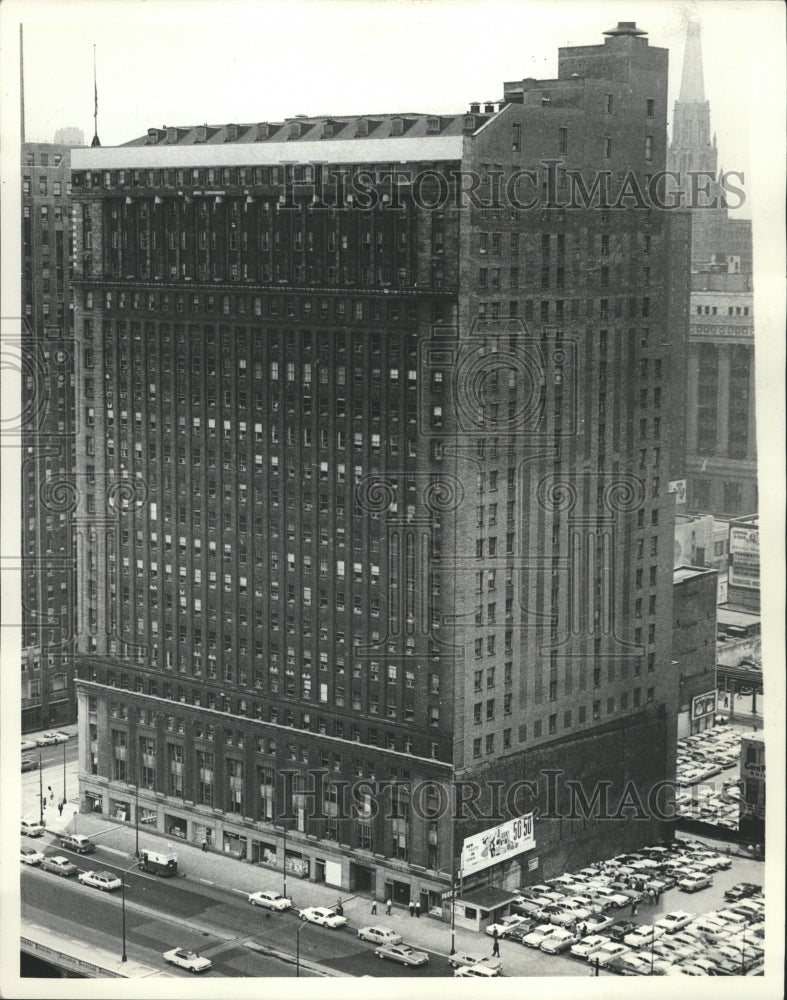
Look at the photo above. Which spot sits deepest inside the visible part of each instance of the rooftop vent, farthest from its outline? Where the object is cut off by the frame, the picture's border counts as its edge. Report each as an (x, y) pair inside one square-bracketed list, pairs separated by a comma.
[(475, 108), (625, 28), (489, 109), (232, 133)]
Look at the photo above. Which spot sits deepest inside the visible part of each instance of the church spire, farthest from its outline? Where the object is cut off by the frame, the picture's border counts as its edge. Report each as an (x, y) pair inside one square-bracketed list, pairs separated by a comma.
[(692, 84)]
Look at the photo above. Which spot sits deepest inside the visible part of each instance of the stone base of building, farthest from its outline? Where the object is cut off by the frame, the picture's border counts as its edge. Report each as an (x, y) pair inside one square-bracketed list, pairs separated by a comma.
[(340, 866)]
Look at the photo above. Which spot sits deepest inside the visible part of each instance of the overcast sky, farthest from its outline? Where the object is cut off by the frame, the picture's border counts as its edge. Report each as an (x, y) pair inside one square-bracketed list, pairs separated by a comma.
[(193, 61)]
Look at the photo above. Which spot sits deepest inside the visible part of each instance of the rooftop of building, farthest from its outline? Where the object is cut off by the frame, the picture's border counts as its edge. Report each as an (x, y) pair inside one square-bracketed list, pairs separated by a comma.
[(309, 128), (734, 614), (681, 573)]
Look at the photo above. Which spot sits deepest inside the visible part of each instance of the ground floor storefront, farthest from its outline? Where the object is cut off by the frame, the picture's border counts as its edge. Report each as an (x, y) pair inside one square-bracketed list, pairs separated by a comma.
[(349, 870)]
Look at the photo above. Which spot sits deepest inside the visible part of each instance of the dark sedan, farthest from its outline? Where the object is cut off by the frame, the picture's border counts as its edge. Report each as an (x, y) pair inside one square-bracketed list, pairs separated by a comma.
[(618, 931)]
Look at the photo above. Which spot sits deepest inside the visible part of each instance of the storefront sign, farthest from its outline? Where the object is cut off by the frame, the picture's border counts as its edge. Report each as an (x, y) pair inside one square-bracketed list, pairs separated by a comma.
[(498, 844)]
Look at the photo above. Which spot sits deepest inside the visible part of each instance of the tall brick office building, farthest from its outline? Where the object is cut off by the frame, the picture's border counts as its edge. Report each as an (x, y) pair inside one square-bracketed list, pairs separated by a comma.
[(380, 489), (47, 473)]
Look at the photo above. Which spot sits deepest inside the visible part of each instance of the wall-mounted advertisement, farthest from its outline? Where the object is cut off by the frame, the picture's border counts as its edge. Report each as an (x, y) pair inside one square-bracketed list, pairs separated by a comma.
[(744, 558), (497, 844), (703, 704)]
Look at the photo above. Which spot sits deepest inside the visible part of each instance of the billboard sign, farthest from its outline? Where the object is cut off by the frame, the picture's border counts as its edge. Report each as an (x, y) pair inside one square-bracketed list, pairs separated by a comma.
[(744, 557), (703, 704), (497, 844)]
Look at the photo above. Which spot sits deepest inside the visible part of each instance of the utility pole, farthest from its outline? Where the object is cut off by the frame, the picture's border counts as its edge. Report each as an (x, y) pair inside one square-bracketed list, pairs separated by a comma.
[(284, 859), (136, 818), (65, 744)]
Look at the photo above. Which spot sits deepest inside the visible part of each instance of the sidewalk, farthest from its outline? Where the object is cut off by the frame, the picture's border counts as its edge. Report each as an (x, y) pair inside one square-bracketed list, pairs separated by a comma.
[(214, 868)]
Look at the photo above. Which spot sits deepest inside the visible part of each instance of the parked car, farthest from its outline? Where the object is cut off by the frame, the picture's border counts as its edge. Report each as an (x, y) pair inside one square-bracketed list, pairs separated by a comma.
[(675, 921), (30, 856), (558, 941), (616, 932), (693, 883), (270, 899), (105, 881), (463, 960), (505, 925), (78, 843), (478, 971), (741, 891), (29, 764), (28, 745), (596, 924), (607, 952), (519, 933), (322, 915), (538, 935), (190, 960), (31, 829), (616, 899), (379, 935), (642, 936), (58, 865), (589, 945), (403, 954)]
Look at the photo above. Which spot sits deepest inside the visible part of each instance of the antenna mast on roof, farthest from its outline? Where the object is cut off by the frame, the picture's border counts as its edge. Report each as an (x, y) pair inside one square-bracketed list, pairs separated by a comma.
[(96, 141), (22, 82)]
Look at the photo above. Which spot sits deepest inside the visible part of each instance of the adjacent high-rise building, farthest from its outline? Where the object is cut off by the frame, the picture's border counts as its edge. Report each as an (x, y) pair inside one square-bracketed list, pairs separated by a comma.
[(721, 445), (374, 430), (48, 565)]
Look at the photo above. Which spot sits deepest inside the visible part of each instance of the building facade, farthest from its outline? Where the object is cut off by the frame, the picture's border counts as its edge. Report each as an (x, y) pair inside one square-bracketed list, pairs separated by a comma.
[(694, 647), (721, 443), (376, 452), (752, 818), (48, 580)]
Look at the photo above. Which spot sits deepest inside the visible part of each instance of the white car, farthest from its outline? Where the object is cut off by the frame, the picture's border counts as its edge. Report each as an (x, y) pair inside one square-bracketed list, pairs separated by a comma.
[(478, 971), (190, 960), (694, 882), (560, 940), (105, 881), (379, 935), (462, 959), (30, 856), (271, 899), (538, 935), (505, 925), (588, 946), (616, 899), (32, 829), (322, 915), (31, 745), (402, 953), (609, 951), (48, 739), (642, 936), (675, 921)]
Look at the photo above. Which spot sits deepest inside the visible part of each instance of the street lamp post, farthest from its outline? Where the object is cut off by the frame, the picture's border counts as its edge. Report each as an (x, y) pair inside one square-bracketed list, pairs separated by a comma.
[(652, 943), (65, 744), (743, 953), (284, 860), (136, 820), (298, 930), (124, 956), (76, 813), (40, 792)]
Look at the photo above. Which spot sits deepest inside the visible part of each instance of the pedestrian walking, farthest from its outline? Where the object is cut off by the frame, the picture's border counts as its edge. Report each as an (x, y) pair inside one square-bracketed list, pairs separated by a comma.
[(60, 808), (204, 845), (339, 907), (374, 908), (51, 793), (651, 896), (495, 944), (388, 907), (658, 896), (633, 908), (418, 909), (411, 907)]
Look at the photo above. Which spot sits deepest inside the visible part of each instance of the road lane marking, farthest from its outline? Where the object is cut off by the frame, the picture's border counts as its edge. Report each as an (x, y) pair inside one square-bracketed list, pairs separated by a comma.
[(207, 881), (114, 850)]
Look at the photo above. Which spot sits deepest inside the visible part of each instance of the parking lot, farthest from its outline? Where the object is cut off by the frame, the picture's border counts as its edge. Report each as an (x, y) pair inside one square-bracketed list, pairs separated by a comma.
[(708, 768), (579, 913)]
